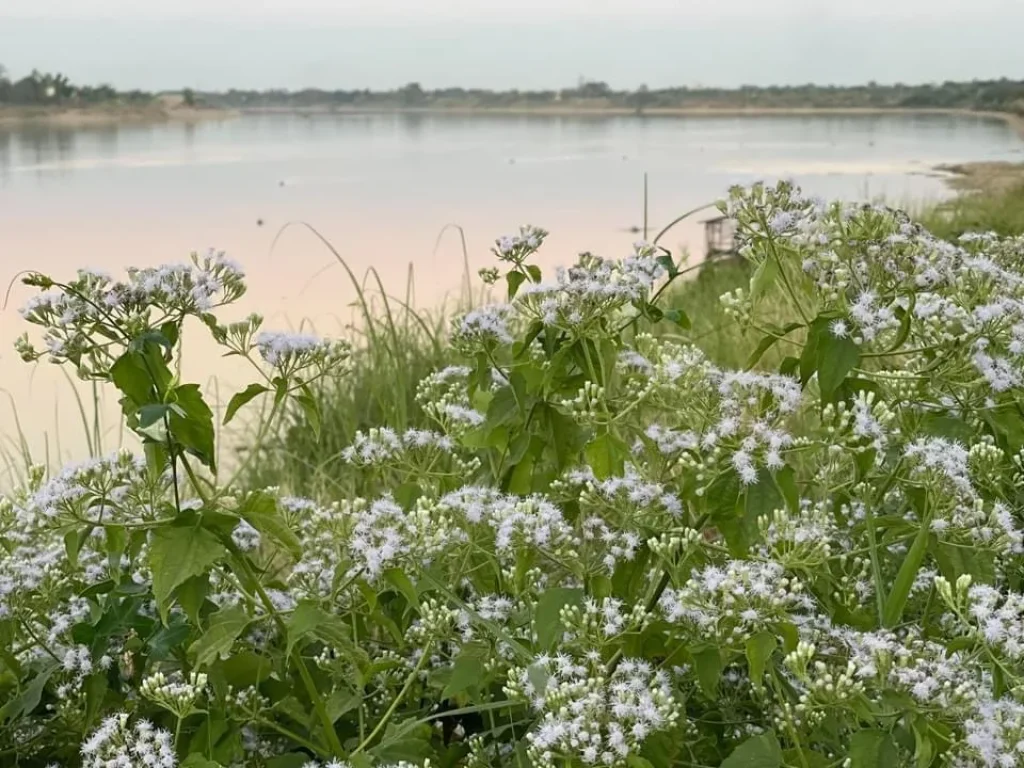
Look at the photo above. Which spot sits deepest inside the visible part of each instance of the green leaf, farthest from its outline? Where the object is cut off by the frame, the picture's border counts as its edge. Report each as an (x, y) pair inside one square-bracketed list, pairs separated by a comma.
[(308, 618), (760, 648), (546, 619), (785, 481), (192, 427), (756, 752), (770, 341), (396, 577), (900, 592), (167, 639), (678, 317), (669, 264), (142, 376), (29, 698), (198, 761), (176, 554), (152, 422), (515, 279), (467, 672), (260, 510), (764, 277), (503, 407), (156, 460), (96, 687), (835, 358), (192, 595), (249, 393), (538, 678), (342, 702), (225, 627), (707, 663), (407, 741), (534, 271), (872, 749), (311, 409), (605, 455), (290, 760)]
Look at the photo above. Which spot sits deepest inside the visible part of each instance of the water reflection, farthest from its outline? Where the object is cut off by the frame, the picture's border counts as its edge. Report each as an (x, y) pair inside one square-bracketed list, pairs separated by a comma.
[(382, 187)]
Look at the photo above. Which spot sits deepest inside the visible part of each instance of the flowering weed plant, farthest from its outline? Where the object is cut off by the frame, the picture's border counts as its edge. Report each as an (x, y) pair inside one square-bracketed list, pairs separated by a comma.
[(607, 551)]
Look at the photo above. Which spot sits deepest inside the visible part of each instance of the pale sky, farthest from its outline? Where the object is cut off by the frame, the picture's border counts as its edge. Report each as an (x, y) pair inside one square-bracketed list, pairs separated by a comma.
[(530, 44)]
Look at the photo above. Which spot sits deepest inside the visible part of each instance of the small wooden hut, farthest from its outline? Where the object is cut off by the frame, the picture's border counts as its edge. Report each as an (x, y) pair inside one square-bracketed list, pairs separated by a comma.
[(719, 237)]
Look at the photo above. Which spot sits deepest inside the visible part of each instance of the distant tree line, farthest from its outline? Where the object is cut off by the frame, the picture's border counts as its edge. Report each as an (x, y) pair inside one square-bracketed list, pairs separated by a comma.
[(996, 95), (54, 88), (1005, 95)]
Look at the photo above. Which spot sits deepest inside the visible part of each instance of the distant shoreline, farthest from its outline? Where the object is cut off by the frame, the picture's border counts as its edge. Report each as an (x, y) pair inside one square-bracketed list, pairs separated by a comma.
[(83, 117), (1015, 121), (104, 116)]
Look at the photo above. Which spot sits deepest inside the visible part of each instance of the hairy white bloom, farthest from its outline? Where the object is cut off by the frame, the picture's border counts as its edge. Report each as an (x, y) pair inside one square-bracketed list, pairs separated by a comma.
[(116, 743)]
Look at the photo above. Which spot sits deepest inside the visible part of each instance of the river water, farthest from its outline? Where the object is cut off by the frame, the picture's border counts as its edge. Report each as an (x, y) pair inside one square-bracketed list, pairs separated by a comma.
[(382, 188)]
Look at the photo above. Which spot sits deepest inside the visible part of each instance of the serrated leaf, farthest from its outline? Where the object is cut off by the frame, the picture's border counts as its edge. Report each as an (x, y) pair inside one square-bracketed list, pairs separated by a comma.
[(756, 752), (669, 264), (308, 618), (311, 410), (764, 277), (759, 649), (176, 554), (828, 355), (198, 761), (141, 376), (467, 671), (546, 619), (515, 280), (605, 455), (396, 577), (707, 663), (769, 341), (192, 594), (261, 511), (241, 398), (872, 749), (29, 698), (678, 317), (192, 425), (225, 627)]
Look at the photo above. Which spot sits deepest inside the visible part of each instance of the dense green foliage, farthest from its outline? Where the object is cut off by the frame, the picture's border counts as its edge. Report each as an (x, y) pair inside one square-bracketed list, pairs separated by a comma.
[(1000, 211), (55, 89)]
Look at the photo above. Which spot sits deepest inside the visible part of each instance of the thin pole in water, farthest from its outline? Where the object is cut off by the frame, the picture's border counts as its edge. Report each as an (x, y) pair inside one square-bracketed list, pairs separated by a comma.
[(645, 206)]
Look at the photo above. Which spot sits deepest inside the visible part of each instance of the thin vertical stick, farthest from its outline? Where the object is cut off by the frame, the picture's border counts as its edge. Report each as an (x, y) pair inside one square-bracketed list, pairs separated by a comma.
[(645, 206)]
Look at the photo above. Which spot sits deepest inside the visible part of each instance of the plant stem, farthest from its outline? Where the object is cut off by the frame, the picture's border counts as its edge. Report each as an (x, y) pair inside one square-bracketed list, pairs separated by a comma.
[(876, 568), (398, 700), (289, 734), (330, 734)]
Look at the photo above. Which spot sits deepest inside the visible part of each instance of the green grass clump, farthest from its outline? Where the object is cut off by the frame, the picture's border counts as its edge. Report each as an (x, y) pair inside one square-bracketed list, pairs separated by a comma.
[(999, 211), (379, 389)]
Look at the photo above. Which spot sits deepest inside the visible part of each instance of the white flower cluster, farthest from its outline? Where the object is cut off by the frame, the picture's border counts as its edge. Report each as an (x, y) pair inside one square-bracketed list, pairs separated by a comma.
[(738, 599), (515, 248), (83, 316), (291, 352), (116, 743), (590, 715), (177, 694)]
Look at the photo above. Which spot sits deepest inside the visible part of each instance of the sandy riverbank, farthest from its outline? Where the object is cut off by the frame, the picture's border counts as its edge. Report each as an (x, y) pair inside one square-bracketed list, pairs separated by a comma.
[(105, 116), (1015, 121)]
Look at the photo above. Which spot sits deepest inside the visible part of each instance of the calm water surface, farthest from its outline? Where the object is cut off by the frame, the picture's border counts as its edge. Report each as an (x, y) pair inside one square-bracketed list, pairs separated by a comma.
[(382, 188)]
